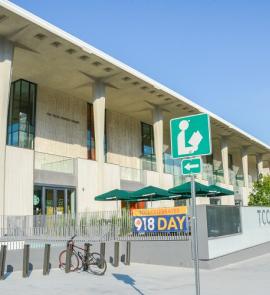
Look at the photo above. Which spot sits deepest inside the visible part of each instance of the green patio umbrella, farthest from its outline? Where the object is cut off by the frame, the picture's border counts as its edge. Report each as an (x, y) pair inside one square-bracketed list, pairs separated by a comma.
[(116, 194), (149, 193), (215, 190), (184, 190)]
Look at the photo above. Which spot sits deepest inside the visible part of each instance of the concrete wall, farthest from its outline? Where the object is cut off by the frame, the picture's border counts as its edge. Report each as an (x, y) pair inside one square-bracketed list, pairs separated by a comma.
[(123, 140), (19, 181), (255, 231), (87, 187), (61, 127)]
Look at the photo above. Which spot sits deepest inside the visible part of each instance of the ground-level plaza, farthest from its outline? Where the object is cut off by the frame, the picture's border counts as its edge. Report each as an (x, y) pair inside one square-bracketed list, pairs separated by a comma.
[(249, 278)]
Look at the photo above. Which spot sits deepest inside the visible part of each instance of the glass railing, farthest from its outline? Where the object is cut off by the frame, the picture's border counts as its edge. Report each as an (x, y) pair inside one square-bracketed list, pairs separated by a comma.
[(207, 173), (171, 166), (132, 174), (54, 163), (148, 162)]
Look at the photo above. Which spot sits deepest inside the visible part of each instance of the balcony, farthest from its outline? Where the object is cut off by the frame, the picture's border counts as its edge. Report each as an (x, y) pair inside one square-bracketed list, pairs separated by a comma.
[(148, 162), (54, 163)]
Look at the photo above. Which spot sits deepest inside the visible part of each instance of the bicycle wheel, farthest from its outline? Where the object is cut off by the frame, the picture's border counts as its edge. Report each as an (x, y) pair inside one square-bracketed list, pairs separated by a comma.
[(97, 264), (74, 261)]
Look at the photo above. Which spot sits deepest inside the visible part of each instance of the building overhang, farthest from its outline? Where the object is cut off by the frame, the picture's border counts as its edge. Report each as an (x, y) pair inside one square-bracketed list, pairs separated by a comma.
[(51, 57)]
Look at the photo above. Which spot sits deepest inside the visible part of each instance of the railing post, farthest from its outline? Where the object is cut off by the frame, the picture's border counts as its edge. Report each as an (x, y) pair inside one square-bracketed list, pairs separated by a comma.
[(68, 258), (102, 252), (128, 249), (116, 254), (86, 256), (46, 260), (26, 252), (3, 255)]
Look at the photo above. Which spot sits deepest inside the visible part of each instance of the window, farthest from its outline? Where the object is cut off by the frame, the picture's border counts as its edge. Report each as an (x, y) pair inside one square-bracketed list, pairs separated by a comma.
[(21, 114), (91, 150), (147, 139), (230, 160)]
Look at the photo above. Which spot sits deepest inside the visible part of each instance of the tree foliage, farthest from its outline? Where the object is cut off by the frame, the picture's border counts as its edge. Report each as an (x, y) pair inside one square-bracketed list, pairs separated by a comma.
[(260, 195)]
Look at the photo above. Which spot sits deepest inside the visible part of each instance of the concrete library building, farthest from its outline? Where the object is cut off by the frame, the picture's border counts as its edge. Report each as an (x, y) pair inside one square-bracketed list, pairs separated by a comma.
[(75, 122)]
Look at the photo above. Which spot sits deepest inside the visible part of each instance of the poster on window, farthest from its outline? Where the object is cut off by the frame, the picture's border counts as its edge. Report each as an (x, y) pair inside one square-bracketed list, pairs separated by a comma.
[(158, 220)]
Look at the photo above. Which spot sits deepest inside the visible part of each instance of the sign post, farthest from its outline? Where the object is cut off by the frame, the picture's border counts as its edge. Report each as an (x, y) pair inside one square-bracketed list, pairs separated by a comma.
[(190, 137)]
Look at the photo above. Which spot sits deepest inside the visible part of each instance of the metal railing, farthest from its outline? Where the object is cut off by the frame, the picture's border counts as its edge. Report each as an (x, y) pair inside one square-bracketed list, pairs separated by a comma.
[(54, 163), (99, 226)]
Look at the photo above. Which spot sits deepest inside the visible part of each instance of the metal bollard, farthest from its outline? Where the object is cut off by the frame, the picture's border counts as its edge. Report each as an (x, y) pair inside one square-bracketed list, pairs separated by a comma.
[(86, 255), (3, 255), (102, 252), (26, 252), (116, 254), (68, 259), (128, 249), (46, 260)]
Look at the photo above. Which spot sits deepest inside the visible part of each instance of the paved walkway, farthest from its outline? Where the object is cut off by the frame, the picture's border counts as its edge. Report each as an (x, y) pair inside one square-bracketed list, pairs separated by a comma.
[(249, 278)]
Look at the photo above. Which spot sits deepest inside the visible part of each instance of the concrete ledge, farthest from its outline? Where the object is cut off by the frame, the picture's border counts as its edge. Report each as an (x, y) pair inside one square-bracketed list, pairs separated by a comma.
[(236, 256)]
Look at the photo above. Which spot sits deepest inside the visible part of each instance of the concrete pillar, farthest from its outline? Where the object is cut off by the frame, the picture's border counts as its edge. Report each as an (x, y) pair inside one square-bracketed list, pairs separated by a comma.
[(225, 159), (158, 137), (245, 165), (6, 59), (259, 161), (99, 124)]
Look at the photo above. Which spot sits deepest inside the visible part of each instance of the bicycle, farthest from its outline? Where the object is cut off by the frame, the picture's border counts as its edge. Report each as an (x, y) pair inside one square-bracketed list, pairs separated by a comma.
[(94, 262)]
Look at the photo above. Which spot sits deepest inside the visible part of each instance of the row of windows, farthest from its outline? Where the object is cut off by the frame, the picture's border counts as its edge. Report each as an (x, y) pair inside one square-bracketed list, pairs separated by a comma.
[(21, 121)]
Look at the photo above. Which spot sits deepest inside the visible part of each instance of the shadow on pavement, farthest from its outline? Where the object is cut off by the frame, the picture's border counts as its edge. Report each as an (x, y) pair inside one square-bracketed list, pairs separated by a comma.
[(127, 280)]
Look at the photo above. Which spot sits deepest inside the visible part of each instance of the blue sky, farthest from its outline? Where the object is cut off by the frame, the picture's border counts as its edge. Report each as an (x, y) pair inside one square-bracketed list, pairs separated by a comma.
[(216, 53)]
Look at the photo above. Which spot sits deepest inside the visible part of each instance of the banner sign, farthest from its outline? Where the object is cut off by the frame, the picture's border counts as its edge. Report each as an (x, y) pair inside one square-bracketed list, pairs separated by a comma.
[(160, 220)]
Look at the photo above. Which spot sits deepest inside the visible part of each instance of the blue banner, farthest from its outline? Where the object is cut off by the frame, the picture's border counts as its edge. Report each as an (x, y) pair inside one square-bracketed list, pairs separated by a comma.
[(160, 223)]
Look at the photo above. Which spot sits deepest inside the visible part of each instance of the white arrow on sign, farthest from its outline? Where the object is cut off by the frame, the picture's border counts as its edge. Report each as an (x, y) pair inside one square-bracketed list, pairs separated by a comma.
[(190, 166)]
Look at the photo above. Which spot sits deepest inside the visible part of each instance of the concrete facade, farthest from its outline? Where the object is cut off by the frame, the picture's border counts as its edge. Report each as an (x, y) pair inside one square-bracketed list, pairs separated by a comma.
[(69, 74)]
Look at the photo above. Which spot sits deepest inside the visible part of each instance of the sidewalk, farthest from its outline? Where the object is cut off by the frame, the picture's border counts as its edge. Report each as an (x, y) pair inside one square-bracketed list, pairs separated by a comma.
[(249, 278)]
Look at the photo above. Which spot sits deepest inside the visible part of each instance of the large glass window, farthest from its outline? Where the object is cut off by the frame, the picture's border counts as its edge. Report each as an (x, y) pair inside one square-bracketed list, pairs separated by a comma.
[(21, 116), (91, 151), (54, 200), (147, 139)]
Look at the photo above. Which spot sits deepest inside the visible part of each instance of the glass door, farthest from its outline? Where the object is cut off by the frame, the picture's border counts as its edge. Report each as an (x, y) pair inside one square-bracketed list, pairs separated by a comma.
[(49, 201), (54, 200), (60, 201)]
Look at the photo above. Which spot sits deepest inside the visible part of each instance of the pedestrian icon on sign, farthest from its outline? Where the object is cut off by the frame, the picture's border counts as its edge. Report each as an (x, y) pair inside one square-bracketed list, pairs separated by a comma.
[(190, 136)]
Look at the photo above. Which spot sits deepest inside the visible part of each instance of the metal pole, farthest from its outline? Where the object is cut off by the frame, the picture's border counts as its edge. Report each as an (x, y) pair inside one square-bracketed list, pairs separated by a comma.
[(46, 260), (195, 237), (86, 256), (3, 255), (26, 251)]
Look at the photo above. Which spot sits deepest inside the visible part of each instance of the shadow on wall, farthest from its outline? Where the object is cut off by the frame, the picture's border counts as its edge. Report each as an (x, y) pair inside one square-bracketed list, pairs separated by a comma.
[(127, 280)]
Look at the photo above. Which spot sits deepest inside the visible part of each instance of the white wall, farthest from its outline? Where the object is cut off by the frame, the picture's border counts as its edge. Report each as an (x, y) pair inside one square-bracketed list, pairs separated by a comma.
[(255, 231), (19, 181), (87, 188)]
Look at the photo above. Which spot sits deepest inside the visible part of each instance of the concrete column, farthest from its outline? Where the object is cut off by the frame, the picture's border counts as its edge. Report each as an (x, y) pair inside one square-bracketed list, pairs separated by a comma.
[(99, 124), (245, 165), (225, 159), (158, 137), (6, 59), (259, 161)]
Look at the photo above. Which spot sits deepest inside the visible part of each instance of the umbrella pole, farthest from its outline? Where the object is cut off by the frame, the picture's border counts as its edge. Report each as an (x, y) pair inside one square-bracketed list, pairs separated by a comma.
[(195, 236)]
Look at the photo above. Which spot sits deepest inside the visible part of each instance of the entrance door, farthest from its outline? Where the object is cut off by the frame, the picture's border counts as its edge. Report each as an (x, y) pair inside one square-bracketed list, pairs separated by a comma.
[(49, 201), (55, 200), (60, 201)]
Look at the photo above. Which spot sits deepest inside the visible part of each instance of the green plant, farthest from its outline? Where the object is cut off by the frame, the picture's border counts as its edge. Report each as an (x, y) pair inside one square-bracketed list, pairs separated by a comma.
[(260, 195)]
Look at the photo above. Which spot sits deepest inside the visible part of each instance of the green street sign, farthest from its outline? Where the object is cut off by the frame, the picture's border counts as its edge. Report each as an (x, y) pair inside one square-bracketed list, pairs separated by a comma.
[(190, 136), (191, 166)]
